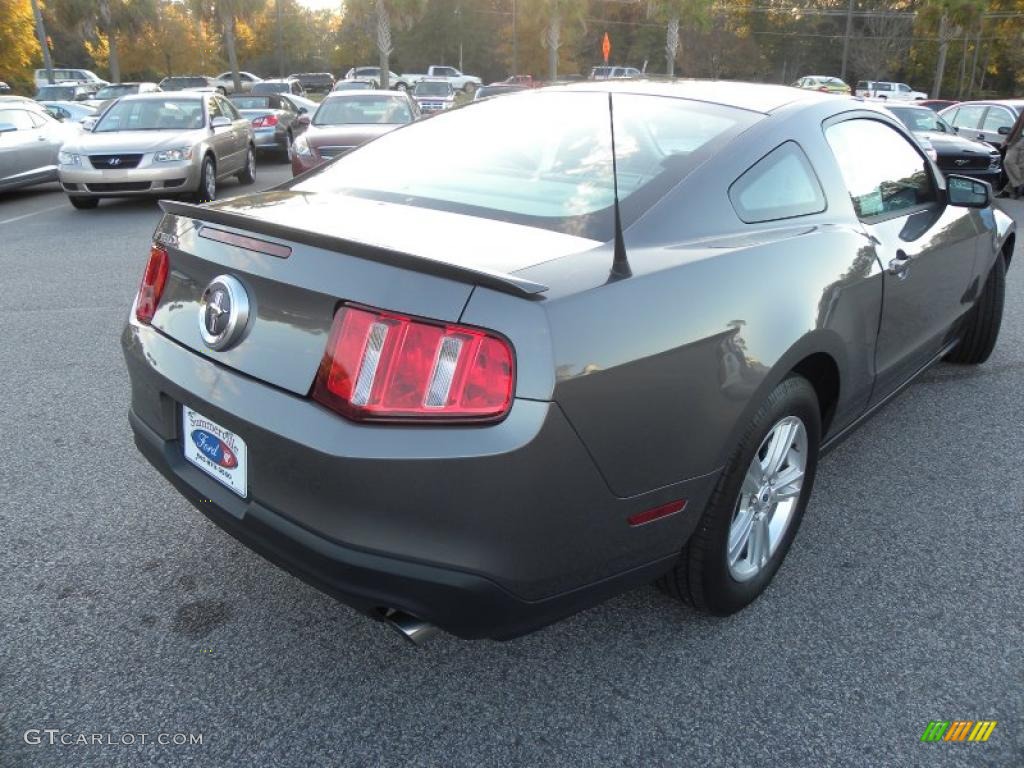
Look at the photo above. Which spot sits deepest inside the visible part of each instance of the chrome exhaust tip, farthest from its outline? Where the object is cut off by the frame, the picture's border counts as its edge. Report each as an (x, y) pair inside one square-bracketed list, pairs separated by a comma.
[(415, 630)]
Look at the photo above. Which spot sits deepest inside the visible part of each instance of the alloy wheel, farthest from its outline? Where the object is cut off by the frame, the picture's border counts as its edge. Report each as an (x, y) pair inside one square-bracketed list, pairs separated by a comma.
[(768, 498), (210, 177)]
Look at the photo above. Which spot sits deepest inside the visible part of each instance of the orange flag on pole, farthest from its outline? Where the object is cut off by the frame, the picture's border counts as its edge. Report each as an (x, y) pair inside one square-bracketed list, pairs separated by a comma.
[(606, 47)]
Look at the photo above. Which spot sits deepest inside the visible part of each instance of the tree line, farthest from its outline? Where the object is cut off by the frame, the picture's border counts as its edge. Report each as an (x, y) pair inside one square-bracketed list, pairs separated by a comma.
[(952, 48)]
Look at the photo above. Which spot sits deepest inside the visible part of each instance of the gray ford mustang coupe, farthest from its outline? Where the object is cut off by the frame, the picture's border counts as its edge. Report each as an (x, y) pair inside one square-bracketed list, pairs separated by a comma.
[(496, 366)]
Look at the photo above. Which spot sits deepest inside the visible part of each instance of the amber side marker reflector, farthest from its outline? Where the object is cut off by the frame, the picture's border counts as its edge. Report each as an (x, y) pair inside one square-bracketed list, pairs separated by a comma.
[(650, 515)]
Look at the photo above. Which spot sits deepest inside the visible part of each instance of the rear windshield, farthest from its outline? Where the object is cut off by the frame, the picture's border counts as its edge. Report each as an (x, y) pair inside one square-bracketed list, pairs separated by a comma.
[(116, 91), (152, 115), (540, 159), (364, 110), (180, 83), (251, 102), (353, 85), (432, 89), (56, 93), (922, 119), (265, 87)]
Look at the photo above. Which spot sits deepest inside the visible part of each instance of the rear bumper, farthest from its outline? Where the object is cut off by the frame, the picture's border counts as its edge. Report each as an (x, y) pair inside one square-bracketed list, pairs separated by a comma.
[(268, 138), (503, 529)]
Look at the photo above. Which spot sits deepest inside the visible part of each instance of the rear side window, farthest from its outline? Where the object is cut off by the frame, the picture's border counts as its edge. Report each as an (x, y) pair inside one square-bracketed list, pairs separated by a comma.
[(969, 116), (997, 118), (883, 171), (17, 117), (781, 185)]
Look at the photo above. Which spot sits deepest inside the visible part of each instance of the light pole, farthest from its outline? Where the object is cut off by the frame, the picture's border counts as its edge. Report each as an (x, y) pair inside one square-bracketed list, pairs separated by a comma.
[(41, 34), (280, 47), (846, 39), (515, 41)]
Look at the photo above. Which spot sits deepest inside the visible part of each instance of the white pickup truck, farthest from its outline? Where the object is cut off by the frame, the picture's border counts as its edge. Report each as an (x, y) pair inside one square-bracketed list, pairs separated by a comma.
[(459, 81), (875, 89)]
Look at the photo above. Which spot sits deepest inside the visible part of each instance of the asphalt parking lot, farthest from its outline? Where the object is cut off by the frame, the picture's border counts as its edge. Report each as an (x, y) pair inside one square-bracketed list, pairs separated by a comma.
[(124, 611)]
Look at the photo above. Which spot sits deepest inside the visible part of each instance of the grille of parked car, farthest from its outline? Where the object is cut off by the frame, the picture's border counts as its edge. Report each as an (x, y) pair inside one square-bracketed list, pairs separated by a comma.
[(122, 186), (333, 151), (973, 163), (104, 162)]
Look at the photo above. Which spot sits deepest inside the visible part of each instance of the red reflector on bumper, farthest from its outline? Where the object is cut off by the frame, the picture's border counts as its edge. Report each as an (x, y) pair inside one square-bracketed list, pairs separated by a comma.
[(657, 513)]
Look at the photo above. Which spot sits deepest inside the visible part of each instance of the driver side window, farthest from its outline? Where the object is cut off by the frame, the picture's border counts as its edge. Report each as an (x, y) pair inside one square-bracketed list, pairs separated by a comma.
[(884, 173)]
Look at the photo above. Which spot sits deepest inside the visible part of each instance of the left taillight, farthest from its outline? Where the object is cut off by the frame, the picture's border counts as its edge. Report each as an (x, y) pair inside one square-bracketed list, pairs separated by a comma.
[(382, 366), (267, 121), (152, 285)]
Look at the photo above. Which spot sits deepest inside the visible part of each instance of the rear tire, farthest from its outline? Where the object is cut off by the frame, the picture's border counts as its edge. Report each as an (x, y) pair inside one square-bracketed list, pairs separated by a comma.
[(83, 203), (248, 173), (469, 89), (981, 328), (719, 571)]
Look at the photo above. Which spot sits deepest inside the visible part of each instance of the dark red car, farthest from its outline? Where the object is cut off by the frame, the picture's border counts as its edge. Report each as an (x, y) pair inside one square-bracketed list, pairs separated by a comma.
[(346, 120)]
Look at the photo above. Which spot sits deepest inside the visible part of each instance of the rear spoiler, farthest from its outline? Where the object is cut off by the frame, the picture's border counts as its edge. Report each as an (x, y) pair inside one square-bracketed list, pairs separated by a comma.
[(499, 281)]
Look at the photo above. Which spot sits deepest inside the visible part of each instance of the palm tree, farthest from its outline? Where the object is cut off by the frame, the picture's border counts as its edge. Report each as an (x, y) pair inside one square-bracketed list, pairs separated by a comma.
[(560, 14), (391, 12), (225, 13), (953, 17), (671, 12)]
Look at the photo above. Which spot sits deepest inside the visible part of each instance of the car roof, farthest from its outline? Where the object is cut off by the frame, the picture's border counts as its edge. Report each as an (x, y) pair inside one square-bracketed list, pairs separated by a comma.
[(754, 97), (1015, 103), (274, 80), (362, 94), (161, 95)]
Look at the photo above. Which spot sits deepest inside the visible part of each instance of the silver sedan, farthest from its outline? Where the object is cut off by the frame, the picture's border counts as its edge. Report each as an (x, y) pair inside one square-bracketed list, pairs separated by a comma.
[(165, 144), (29, 142)]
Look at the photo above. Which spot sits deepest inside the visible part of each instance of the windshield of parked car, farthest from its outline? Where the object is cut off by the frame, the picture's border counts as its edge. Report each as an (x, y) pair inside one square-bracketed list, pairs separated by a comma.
[(370, 109), (540, 159), (181, 83), (56, 93), (271, 87), (920, 119), (152, 115), (432, 89), (116, 91)]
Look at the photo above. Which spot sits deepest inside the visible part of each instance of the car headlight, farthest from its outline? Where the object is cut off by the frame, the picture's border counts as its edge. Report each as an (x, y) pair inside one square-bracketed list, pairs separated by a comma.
[(68, 158), (301, 147), (995, 162), (173, 155)]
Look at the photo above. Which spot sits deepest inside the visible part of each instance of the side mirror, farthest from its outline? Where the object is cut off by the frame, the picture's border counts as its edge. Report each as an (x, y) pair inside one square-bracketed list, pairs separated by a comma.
[(7, 127), (1004, 130), (303, 110), (89, 123), (219, 122), (83, 97), (966, 192)]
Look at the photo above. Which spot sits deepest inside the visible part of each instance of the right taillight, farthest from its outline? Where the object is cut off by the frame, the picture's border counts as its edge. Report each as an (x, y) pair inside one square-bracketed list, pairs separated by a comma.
[(390, 367), (152, 285)]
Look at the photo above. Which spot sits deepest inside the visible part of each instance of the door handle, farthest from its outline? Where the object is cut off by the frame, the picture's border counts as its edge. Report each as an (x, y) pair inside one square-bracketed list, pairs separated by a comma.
[(900, 266)]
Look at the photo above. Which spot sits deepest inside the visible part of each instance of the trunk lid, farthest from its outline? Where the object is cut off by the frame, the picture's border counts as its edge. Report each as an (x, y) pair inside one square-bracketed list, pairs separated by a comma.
[(299, 256)]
